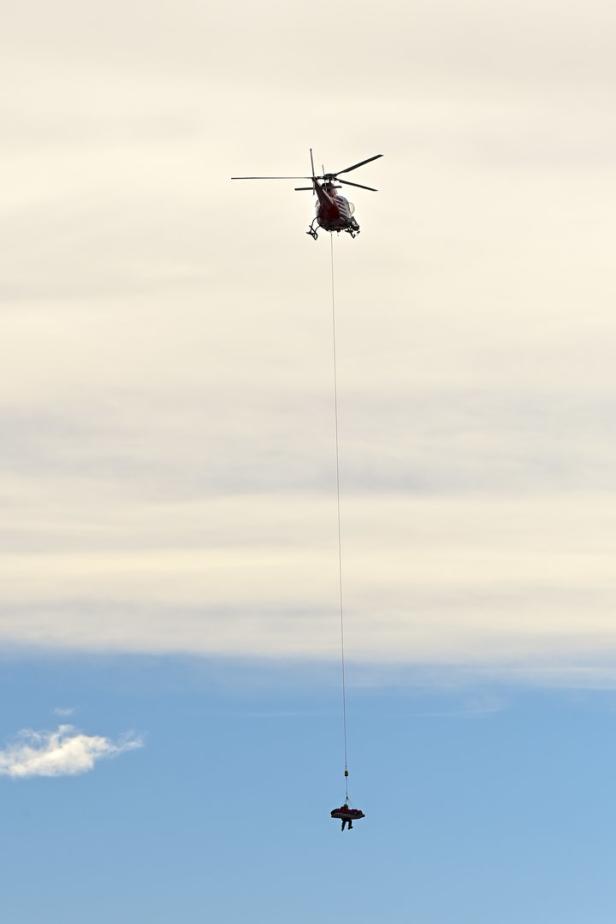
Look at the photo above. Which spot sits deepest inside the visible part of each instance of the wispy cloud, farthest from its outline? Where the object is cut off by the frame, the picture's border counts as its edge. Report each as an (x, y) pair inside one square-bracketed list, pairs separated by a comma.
[(481, 704), (64, 711), (63, 752)]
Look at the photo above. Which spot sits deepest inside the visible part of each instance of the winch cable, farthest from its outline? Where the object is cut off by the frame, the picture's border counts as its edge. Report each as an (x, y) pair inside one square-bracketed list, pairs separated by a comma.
[(340, 596)]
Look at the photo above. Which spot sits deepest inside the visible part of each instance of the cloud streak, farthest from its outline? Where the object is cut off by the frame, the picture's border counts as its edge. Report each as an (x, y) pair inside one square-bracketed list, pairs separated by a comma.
[(63, 752), (433, 580)]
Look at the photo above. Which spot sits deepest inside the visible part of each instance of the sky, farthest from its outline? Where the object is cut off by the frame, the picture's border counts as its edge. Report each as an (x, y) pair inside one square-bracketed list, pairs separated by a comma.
[(170, 732)]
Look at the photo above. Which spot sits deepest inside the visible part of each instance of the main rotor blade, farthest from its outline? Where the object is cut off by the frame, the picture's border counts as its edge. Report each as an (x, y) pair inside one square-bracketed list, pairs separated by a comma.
[(307, 188), (312, 166), (271, 177), (360, 164), (348, 183)]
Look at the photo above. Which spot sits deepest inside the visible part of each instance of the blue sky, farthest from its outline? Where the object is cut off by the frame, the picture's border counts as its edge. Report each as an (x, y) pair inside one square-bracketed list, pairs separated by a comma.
[(483, 801)]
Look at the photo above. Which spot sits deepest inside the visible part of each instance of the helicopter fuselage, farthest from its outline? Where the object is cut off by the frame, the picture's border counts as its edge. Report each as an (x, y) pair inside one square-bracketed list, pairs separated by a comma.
[(334, 212)]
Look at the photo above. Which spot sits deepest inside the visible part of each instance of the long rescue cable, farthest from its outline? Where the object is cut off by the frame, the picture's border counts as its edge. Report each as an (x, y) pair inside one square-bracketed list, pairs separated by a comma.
[(340, 595)]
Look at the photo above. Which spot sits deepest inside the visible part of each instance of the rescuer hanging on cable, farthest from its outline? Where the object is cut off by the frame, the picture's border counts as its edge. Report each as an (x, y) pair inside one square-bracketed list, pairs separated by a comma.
[(347, 815)]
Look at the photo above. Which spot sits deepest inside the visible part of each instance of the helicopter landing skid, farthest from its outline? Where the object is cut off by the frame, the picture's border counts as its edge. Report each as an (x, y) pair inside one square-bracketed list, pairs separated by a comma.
[(352, 231)]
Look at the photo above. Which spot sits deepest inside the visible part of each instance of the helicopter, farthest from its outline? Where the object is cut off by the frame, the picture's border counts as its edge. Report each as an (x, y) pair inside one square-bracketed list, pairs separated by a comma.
[(334, 212)]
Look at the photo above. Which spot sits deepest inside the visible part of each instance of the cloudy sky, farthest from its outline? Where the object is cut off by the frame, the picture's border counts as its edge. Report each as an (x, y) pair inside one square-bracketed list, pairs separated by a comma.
[(167, 471)]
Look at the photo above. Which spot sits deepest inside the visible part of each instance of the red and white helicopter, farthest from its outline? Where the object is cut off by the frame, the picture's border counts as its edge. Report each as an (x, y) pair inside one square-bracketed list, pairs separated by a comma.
[(334, 212)]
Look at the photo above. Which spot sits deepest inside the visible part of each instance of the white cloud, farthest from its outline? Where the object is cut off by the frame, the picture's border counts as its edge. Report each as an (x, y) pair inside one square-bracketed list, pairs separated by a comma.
[(63, 752), (64, 711)]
